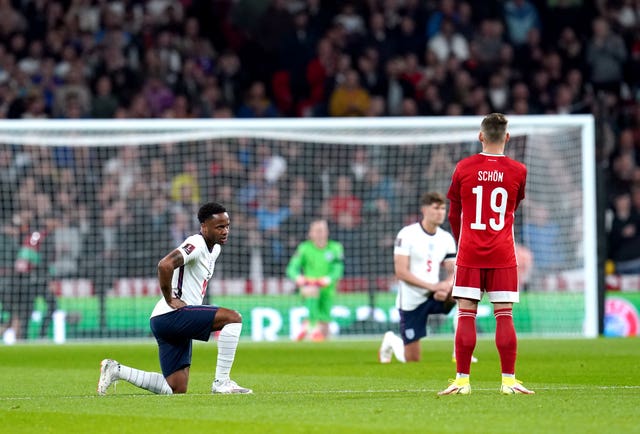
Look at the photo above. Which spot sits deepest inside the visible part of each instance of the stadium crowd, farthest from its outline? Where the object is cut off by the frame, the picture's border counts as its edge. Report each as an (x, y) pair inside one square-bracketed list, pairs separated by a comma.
[(291, 58)]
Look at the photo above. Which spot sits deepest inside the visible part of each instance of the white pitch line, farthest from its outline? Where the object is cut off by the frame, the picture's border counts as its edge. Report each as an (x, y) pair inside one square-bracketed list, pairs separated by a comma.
[(315, 392)]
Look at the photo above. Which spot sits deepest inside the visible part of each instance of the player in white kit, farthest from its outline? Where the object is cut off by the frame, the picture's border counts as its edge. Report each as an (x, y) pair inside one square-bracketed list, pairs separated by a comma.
[(179, 316), (420, 250)]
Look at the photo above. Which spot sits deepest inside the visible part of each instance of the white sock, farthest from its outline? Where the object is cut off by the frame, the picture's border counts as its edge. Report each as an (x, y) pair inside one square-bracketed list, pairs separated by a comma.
[(398, 348), (227, 344), (151, 381)]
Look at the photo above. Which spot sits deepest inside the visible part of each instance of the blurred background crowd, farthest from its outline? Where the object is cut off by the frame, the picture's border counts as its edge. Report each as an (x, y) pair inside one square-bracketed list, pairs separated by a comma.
[(291, 58)]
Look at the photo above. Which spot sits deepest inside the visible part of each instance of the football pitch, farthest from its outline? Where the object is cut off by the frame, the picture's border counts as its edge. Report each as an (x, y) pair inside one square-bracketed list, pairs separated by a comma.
[(582, 386)]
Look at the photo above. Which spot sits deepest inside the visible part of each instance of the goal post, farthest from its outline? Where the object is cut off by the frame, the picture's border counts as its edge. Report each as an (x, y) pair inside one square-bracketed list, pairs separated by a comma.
[(110, 197)]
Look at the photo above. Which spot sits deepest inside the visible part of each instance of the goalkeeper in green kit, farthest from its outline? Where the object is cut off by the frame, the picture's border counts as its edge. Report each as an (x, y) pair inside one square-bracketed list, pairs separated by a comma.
[(316, 267)]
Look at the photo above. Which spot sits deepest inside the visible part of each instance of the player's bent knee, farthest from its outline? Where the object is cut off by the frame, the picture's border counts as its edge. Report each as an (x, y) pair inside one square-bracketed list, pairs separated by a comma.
[(229, 316)]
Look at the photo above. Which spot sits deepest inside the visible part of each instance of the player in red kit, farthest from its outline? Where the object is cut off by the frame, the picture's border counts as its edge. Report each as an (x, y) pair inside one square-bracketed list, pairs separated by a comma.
[(485, 192)]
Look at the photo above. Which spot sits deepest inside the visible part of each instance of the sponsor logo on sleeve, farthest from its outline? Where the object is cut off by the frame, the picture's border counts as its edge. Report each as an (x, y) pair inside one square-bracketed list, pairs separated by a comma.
[(188, 248), (398, 242)]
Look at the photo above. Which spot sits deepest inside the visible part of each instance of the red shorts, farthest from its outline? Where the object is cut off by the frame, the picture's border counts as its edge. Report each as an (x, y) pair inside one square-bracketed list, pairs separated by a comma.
[(501, 284)]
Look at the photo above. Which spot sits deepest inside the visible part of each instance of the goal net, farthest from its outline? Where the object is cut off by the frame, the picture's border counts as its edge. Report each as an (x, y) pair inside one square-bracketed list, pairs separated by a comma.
[(90, 207)]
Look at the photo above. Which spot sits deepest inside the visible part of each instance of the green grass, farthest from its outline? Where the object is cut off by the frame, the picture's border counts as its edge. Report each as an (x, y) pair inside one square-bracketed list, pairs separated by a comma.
[(583, 386)]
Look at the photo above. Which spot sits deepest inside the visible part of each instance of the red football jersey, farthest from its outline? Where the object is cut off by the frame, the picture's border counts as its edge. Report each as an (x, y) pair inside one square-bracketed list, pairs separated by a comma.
[(485, 192)]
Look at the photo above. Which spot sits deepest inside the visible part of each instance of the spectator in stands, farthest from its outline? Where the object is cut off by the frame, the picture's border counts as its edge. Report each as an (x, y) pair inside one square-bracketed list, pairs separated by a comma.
[(230, 78), (489, 42), (11, 20), (542, 236), (236, 261), (124, 78), (33, 60), (446, 9), (344, 206), (8, 182), (379, 209), (623, 166), (181, 224), (358, 166), (379, 195), (319, 72), (124, 168), (368, 66), (343, 210), (160, 220), (269, 161), (257, 104), (74, 91), (605, 57), (294, 227), (540, 88), (351, 20), (158, 95), (395, 87), (570, 48), (624, 237), (157, 178), (192, 81), (73, 225), (34, 106), (270, 215), (349, 98), (408, 40), (431, 102), (273, 25), (414, 74), (520, 17), (104, 103), (377, 107), (524, 257), (448, 42), (185, 188), (439, 161), (498, 91), (563, 100), (379, 37), (222, 166)]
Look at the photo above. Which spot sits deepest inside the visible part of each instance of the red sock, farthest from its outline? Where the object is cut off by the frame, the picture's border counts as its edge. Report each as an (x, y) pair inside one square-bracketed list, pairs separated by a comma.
[(465, 340), (506, 340)]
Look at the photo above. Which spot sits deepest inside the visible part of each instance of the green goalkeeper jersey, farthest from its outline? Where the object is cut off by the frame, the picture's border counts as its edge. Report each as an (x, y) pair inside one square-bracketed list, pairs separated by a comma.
[(314, 262)]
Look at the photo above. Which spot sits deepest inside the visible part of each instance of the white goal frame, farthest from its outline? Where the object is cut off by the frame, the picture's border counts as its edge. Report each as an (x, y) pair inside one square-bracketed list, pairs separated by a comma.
[(360, 130)]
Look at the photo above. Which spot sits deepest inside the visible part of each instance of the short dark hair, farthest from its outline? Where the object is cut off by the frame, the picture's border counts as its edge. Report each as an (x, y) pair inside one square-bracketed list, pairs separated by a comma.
[(494, 127), (209, 209), (432, 197)]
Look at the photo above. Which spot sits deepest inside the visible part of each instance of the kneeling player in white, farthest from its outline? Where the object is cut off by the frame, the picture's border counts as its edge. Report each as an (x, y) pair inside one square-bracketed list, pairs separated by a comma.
[(179, 316), (420, 250)]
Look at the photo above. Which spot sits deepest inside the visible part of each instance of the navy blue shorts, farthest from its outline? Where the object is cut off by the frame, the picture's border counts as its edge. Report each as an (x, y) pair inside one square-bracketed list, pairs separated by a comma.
[(174, 332), (413, 323)]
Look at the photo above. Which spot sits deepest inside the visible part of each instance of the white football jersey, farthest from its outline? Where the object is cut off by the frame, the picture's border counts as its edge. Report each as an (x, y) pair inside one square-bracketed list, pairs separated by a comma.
[(426, 253), (190, 281)]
